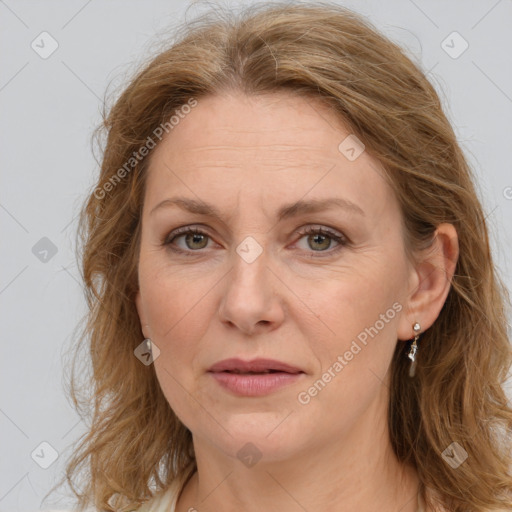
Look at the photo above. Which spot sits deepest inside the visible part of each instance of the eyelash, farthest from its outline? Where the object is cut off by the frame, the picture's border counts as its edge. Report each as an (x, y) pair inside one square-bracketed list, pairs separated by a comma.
[(339, 239)]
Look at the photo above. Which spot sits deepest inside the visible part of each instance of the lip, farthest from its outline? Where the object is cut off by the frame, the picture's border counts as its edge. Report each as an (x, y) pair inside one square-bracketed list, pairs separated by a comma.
[(255, 384), (256, 365)]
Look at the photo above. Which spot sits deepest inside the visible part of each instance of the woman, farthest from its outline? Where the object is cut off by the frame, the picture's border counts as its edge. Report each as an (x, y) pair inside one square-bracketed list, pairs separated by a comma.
[(293, 300)]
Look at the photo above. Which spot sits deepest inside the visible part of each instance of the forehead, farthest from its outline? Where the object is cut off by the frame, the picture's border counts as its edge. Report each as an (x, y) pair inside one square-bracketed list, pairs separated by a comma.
[(277, 145), (278, 123)]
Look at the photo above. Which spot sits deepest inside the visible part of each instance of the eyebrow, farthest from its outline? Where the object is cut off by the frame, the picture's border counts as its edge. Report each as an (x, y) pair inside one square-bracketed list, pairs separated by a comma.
[(285, 212)]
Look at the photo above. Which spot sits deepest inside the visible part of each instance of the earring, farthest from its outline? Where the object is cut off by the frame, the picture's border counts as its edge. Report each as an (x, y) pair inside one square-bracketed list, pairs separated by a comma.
[(414, 348), (148, 344)]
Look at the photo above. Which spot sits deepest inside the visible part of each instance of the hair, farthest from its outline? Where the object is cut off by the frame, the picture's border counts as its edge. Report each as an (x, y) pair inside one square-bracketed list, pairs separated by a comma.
[(135, 445)]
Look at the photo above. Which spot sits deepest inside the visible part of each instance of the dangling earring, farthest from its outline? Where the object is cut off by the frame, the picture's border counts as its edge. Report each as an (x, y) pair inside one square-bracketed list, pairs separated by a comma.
[(414, 348), (148, 340)]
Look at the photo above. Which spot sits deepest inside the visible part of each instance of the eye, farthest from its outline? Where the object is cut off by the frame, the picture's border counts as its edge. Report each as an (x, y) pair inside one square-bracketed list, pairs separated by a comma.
[(193, 238), (320, 240)]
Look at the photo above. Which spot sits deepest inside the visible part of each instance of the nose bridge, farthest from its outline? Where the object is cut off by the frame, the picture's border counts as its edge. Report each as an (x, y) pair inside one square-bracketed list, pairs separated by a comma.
[(250, 261), (250, 296)]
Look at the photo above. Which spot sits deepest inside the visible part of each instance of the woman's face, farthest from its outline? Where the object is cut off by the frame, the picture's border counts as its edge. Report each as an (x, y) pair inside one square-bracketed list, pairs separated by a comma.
[(260, 280)]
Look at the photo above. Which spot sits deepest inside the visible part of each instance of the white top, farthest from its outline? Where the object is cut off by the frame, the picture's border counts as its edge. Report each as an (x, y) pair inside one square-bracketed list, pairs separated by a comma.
[(162, 502), (165, 501)]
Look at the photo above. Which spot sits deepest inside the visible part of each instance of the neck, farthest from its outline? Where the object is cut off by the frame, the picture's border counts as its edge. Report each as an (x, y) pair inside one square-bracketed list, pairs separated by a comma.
[(358, 472)]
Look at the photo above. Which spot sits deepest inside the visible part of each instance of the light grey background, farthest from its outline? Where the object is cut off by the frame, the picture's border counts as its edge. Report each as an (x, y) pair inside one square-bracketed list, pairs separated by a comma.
[(49, 109)]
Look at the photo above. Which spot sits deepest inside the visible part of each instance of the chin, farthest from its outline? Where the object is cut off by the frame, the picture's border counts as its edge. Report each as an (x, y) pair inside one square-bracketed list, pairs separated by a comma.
[(261, 435)]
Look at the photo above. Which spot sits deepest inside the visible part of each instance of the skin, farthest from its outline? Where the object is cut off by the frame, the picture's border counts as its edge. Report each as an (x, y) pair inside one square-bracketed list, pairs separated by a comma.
[(301, 302)]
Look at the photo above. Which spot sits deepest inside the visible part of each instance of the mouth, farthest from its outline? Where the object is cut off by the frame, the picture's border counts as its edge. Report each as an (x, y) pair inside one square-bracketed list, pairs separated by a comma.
[(254, 378), (252, 373), (254, 367)]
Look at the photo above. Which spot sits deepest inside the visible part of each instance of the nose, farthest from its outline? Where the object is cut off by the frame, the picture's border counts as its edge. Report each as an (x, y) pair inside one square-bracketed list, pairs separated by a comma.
[(252, 299)]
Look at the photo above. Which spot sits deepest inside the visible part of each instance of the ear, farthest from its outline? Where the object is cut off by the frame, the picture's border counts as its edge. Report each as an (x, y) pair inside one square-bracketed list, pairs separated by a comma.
[(142, 315), (430, 282)]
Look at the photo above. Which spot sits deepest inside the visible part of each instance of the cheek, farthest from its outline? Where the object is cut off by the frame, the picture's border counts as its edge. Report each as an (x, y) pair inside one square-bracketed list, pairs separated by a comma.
[(357, 315), (176, 311), (176, 317), (354, 358), (174, 298)]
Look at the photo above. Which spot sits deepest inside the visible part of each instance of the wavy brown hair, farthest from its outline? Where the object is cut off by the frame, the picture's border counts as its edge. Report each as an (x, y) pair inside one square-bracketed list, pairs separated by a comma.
[(135, 446)]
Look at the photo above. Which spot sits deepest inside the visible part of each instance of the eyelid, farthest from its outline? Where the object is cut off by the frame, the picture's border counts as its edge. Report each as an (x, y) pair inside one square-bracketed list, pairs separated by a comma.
[(183, 230), (341, 240)]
